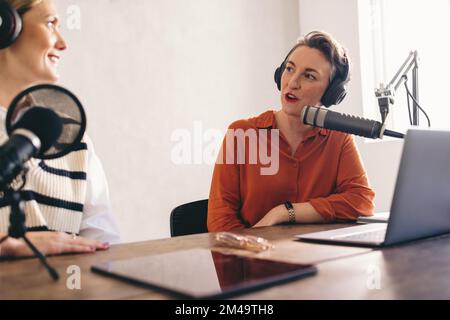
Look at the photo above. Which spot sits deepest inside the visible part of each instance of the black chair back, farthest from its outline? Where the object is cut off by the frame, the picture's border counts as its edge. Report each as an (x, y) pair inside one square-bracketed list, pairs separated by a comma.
[(189, 218)]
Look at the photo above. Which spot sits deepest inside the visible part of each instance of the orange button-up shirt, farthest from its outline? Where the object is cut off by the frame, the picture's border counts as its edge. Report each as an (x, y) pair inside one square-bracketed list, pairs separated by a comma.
[(326, 171)]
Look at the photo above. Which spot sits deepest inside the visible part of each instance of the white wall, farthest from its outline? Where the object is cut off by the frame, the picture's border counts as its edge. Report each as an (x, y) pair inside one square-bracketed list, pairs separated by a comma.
[(144, 68), (340, 18)]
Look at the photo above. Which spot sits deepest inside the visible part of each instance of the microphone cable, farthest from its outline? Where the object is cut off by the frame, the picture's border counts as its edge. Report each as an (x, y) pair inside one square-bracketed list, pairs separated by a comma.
[(409, 95)]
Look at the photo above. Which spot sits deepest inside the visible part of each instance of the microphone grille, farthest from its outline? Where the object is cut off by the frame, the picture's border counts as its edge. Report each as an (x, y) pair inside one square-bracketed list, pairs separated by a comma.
[(314, 116)]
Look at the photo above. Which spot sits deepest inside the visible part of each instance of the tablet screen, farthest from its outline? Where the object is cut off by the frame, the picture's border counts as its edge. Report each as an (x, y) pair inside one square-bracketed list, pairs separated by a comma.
[(202, 273)]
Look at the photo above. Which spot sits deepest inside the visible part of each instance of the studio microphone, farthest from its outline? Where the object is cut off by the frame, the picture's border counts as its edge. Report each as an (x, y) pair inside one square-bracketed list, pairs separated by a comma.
[(322, 118), (35, 133)]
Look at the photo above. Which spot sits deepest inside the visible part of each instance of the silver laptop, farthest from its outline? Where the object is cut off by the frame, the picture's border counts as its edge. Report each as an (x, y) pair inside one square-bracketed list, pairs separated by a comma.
[(421, 203)]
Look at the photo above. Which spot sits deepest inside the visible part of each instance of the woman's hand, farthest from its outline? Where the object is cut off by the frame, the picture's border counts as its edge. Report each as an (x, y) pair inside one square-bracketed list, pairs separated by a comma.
[(50, 243), (275, 216)]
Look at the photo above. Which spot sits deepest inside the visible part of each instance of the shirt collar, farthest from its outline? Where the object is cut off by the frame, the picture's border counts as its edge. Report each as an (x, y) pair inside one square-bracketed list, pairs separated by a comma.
[(267, 121)]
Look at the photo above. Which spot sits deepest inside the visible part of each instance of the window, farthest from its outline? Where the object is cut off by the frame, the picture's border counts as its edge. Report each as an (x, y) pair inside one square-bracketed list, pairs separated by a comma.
[(390, 30)]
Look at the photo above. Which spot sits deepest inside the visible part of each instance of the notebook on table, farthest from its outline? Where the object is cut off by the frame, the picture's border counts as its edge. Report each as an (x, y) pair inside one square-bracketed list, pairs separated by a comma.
[(380, 217)]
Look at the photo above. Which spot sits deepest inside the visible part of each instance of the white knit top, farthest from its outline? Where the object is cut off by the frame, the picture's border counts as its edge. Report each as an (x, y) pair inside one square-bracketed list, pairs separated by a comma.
[(54, 192), (69, 194)]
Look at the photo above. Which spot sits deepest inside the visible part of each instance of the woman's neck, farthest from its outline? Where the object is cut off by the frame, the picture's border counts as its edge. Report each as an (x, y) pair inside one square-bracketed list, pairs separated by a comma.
[(11, 84), (9, 89), (291, 124)]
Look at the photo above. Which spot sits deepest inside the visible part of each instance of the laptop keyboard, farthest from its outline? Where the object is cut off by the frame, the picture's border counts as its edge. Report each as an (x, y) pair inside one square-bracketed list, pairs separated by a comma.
[(371, 236)]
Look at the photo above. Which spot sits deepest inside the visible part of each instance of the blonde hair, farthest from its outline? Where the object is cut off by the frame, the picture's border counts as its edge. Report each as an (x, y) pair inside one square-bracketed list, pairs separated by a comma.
[(22, 6)]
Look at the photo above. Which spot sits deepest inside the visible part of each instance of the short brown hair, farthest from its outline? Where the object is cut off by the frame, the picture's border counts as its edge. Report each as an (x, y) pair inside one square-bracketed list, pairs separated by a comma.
[(335, 53)]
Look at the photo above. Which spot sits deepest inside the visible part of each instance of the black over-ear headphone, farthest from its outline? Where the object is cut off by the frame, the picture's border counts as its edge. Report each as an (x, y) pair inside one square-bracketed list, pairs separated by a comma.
[(336, 91), (10, 25)]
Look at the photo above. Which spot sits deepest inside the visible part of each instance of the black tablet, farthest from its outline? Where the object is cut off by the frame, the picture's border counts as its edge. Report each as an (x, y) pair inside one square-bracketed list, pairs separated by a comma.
[(202, 273)]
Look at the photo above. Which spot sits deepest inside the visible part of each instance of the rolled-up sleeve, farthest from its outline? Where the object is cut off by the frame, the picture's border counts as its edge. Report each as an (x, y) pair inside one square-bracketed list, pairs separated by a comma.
[(353, 196), (98, 221)]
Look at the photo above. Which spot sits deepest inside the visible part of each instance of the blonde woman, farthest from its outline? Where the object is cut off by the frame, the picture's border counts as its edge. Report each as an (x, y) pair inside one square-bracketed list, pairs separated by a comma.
[(68, 209)]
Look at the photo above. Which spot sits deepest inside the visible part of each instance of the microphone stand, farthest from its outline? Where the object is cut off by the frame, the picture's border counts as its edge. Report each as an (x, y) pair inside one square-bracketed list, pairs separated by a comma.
[(17, 228), (386, 95), (394, 134)]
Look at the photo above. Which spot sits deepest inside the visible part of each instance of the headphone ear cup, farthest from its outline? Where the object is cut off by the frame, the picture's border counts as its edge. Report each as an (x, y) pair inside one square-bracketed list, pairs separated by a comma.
[(334, 95), (278, 74), (10, 25)]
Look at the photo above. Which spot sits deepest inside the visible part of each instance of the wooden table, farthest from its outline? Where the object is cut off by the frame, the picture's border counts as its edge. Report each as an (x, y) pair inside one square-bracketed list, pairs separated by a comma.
[(417, 270)]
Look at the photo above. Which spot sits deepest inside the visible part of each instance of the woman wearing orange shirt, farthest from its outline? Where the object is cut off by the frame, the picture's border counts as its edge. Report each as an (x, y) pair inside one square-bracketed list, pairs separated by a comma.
[(319, 174)]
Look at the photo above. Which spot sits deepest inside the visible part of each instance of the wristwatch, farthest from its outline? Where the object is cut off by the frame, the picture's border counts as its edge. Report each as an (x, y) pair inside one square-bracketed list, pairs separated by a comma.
[(291, 212)]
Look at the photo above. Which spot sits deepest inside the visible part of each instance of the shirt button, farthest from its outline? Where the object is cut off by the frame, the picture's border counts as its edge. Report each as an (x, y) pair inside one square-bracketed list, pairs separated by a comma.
[(295, 165)]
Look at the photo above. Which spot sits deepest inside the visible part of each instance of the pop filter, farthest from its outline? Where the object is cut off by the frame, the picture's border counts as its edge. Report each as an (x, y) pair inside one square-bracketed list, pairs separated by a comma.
[(59, 100)]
